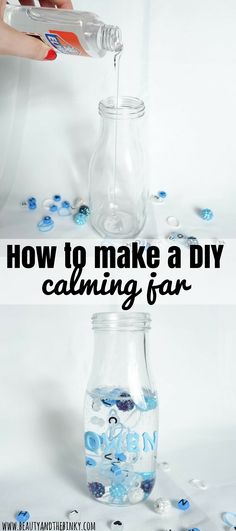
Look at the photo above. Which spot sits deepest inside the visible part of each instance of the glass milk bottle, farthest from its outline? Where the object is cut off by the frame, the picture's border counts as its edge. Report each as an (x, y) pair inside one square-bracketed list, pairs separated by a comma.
[(65, 30), (120, 411), (118, 192)]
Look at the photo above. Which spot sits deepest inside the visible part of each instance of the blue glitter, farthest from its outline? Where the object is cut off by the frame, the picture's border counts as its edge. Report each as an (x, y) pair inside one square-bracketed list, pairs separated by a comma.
[(147, 485), (85, 210), (206, 214), (96, 489), (118, 491), (80, 218)]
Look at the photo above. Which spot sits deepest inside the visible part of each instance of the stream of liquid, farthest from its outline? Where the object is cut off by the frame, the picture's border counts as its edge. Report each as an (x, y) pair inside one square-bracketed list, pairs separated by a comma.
[(117, 58)]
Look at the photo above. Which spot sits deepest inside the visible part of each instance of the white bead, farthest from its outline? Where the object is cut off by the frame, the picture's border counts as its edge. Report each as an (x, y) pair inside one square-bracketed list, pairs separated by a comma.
[(164, 466), (199, 483), (73, 515), (173, 222), (96, 405), (162, 505), (135, 495), (117, 525)]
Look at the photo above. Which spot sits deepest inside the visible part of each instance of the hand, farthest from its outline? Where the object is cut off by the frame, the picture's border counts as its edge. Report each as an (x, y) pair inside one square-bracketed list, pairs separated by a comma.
[(14, 42)]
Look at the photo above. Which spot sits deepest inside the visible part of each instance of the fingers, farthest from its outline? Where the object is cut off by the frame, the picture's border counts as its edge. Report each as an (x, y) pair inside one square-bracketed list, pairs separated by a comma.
[(18, 44), (62, 4)]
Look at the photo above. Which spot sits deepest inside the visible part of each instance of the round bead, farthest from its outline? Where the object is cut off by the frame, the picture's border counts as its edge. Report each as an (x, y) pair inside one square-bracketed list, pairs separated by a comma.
[(53, 208), (162, 505), (173, 222), (118, 491), (173, 236), (90, 462), (32, 203), (65, 204), (80, 219), (57, 198), (183, 504), (191, 240), (135, 495), (147, 485), (73, 515), (45, 224), (199, 483), (65, 209), (96, 489), (117, 524), (22, 516), (125, 405), (229, 519), (206, 214), (84, 209), (162, 194)]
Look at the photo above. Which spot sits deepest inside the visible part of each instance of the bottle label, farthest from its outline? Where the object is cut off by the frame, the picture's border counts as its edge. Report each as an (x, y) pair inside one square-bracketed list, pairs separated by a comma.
[(65, 42)]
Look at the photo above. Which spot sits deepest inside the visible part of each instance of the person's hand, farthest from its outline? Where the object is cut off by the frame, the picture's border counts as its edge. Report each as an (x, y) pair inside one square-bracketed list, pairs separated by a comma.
[(14, 42)]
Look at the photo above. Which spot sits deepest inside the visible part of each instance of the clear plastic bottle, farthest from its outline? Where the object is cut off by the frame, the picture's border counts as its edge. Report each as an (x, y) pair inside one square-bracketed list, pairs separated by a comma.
[(118, 192), (66, 31), (120, 411)]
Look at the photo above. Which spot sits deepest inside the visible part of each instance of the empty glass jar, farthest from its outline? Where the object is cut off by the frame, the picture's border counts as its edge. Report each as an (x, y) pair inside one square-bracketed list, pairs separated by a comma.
[(120, 411), (118, 193)]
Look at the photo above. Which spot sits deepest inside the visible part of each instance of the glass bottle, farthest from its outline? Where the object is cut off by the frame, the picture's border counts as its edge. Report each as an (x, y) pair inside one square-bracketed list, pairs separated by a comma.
[(65, 30), (120, 411), (118, 194)]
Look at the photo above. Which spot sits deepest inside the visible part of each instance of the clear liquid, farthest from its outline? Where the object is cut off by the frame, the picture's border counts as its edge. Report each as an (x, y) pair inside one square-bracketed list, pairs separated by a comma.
[(120, 459)]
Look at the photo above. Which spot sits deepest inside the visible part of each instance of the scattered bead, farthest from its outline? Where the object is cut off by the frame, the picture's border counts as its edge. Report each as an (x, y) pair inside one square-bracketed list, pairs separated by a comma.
[(72, 515), (183, 504), (90, 461), (125, 405), (229, 519), (85, 210), (164, 466), (173, 222), (147, 485), (117, 525), (159, 197), (47, 203), (194, 529), (53, 208), (173, 236), (191, 240), (96, 405), (80, 218), (32, 203), (57, 198), (24, 204), (135, 495), (65, 209), (45, 224), (96, 489), (115, 469), (206, 214), (199, 484), (22, 516), (180, 236), (162, 505)]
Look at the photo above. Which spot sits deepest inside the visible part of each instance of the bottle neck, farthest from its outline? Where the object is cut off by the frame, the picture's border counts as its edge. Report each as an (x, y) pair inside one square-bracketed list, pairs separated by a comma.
[(110, 38)]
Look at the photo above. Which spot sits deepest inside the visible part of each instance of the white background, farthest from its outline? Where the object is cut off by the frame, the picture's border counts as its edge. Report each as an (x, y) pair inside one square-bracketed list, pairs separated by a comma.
[(180, 57), (45, 361)]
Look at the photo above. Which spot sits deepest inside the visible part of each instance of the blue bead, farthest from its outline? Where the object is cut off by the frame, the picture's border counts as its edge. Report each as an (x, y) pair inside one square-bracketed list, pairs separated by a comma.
[(123, 404), (57, 198), (108, 402), (45, 224), (53, 208), (162, 194), (120, 457), (206, 214), (32, 203), (191, 240), (118, 491), (183, 504), (90, 461), (194, 529), (84, 209), (147, 485), (115, 469), (22, 516), (65, 204), (96, 489), (80, 219)]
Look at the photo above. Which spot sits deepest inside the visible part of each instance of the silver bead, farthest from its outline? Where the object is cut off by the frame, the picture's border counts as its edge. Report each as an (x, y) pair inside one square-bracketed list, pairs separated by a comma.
[(162, 505)]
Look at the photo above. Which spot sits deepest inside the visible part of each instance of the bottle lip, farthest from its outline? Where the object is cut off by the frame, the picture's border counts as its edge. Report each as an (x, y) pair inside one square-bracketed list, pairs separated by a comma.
[(128, 107), (111, 38), (132, 321)]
